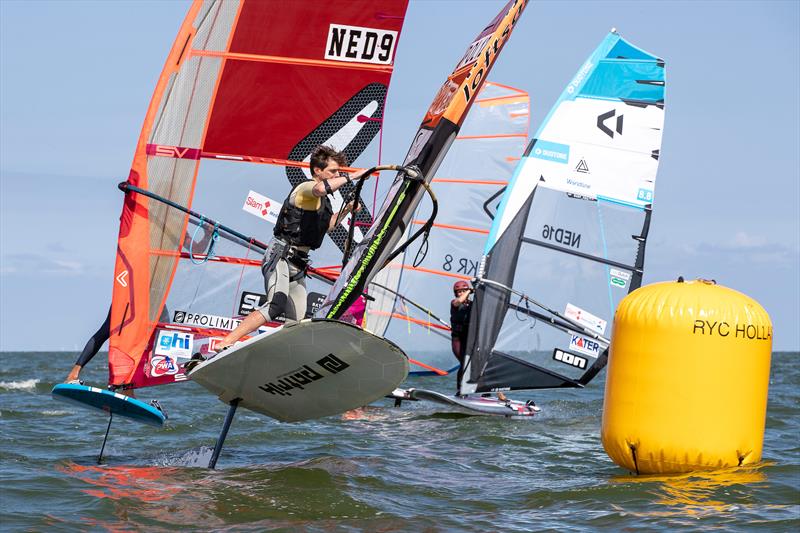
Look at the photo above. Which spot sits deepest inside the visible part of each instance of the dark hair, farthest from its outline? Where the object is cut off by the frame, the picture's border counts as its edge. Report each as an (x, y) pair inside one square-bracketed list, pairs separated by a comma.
[(322, 154)]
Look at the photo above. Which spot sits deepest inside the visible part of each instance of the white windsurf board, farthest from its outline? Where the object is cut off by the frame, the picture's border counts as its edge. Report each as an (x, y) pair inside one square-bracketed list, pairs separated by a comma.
[(305, 370)]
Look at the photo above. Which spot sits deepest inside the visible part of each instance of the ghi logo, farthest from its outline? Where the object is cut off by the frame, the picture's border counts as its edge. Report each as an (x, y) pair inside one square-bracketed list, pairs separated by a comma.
[(360, 45)]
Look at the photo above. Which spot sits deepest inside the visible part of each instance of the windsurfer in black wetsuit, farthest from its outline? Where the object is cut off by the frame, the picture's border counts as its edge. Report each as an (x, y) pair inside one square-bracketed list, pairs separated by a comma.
[(305, 217), (460, 309)]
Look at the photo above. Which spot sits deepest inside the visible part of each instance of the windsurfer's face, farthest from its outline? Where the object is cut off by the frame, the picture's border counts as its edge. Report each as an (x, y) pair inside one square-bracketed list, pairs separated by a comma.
[(330, 171)]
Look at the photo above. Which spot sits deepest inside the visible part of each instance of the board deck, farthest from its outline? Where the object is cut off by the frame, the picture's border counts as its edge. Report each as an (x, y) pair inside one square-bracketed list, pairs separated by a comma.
[(306, 370), (109, 402), (472, 404)]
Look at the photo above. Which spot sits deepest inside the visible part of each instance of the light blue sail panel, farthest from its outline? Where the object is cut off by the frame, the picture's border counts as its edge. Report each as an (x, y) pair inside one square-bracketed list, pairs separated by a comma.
[(633, 81)]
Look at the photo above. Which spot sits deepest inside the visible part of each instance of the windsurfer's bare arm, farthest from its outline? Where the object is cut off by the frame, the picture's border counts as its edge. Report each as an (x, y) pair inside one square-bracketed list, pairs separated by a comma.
[(335, 183)]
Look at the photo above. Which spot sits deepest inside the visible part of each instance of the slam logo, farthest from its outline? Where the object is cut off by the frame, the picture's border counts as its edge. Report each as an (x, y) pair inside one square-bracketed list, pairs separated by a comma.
[(174, 344), (360, 45)]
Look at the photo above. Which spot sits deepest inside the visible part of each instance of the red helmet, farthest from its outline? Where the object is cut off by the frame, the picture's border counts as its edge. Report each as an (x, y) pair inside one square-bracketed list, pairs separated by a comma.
[(460, 285)]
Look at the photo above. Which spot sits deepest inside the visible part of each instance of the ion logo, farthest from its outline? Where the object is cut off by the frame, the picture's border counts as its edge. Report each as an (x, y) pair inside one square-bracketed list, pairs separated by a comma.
[(569, 358), (360, 45), (163, 366), (174, 344)]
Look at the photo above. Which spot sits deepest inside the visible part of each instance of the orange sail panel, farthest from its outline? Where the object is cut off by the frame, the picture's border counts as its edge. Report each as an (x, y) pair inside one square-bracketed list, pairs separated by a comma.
[(246, 82)]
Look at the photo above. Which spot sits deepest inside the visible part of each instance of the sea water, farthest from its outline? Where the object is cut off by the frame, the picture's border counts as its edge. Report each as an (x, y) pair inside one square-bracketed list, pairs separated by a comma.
[(411, 468)]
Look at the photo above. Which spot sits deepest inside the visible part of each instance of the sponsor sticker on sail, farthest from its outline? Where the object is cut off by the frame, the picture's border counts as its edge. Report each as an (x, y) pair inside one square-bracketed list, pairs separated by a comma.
[(586, 318), (174, 343), (360, 45), (619, 278), (206, 321), (584, 345), (262, 207)]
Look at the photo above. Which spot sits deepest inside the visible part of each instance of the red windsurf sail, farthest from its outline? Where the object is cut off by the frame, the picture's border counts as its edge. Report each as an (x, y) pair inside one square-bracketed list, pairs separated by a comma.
[(248, 90)]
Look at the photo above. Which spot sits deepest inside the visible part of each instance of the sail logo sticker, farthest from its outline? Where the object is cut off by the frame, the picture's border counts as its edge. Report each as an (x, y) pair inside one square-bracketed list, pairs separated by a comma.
[(262, 207), (584, 345), (207, 321), (601, 120), (174, 344), (585, 318), (122, 278), (550, 151), (619, 278), (163, 366), (570, 358), (360, 45), (573, 85), (582, 167), (177, 152), (473, 52)]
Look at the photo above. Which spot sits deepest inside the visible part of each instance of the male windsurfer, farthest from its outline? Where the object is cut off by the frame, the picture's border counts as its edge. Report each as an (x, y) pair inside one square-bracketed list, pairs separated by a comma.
[(460, 309), (305, 217)]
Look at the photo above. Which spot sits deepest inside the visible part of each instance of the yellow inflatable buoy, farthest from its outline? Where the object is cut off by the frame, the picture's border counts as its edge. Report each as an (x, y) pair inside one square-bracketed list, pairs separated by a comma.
[(687, 382)]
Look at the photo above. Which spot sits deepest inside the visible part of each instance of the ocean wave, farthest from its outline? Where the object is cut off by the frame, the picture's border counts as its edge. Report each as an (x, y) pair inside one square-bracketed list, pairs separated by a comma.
[(27, 384)]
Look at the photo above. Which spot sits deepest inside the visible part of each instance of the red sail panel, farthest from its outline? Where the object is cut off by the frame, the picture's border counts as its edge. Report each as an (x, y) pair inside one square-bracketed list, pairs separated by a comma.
[(256, 80), (248, 121)]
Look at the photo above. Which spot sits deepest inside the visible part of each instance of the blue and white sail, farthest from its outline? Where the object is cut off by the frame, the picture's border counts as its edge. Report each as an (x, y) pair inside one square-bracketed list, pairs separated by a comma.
[(568, 239)]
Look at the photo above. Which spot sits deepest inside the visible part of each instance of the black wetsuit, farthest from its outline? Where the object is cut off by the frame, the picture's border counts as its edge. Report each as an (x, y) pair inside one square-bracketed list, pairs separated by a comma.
[(96, 341), (459, 329)]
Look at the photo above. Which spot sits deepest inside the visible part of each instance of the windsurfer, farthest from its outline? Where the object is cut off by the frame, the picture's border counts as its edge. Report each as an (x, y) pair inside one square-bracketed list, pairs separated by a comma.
[(305, 217), (460, 309)]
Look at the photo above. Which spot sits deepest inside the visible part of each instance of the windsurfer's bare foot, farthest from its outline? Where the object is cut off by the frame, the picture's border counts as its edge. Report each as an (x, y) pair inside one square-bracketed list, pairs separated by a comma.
[(74, 375)]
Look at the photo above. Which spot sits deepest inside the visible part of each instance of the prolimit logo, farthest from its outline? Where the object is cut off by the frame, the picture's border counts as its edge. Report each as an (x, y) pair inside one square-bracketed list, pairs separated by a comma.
[(601, 119)]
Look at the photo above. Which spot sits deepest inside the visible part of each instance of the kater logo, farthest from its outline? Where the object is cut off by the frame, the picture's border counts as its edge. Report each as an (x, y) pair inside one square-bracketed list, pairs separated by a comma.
[(601, 119), (360, 45)]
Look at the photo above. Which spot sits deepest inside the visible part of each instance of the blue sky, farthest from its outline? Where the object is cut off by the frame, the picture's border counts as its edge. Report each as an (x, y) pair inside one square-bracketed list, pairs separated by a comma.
[(76, 78)]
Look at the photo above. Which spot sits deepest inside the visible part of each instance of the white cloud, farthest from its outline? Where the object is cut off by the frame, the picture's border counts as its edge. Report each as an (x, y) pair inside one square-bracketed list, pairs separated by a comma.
[(38, 264)]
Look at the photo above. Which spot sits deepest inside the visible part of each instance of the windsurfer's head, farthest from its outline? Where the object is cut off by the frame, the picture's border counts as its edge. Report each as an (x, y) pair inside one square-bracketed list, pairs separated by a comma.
[(325, 162), (460, 286)]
